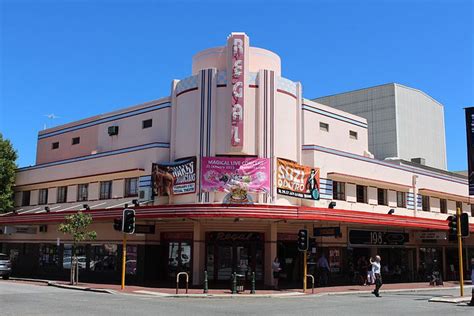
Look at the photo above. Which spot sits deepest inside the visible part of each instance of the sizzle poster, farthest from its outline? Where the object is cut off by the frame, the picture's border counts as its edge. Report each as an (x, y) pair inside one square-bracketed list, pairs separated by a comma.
[(296, 180), (174, 178)]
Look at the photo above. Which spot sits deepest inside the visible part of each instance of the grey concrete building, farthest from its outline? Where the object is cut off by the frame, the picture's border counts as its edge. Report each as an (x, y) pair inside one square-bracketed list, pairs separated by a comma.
[(403, 122)]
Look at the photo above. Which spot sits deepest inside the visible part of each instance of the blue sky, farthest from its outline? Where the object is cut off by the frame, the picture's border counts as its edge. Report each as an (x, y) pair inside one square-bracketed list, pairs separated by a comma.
[(80, 58)]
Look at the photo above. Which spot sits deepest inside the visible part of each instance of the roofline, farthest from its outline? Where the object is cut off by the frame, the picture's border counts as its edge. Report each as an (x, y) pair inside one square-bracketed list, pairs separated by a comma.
[(381, 85)]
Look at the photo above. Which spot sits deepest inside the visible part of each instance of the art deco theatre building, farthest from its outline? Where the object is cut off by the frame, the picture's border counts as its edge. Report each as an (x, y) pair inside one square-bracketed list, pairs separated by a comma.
[(226, 170)]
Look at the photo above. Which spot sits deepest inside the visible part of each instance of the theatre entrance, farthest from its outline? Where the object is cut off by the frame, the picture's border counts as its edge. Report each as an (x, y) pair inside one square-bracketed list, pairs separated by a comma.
[(229, 252)]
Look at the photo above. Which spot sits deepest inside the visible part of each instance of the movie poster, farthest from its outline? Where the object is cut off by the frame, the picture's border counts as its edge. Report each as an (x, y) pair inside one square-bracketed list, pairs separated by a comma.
[(174, 178), (296, 180)]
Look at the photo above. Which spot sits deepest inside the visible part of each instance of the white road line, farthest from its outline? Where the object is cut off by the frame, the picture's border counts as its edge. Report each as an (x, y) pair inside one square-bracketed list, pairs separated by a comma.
[(118, 204)]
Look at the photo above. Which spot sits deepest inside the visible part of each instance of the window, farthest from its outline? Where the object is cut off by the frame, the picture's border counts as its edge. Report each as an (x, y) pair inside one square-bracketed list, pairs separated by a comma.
[(76, 140), (131, 187), (425, 203), (401, 199), (382, 196), (48, 256), (62, 195), (443, 206), (338, 190), (105, 190), (324, 127), (43, 196), (472, 210), (82, 192), (352, 134), (104, 257), (458, 205), (55, 145), (25, 198), (361, 192), (147, 123)]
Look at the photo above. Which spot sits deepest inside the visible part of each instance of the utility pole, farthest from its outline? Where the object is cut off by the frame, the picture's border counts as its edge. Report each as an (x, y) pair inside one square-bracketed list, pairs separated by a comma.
[(305, 269), (459, 233)]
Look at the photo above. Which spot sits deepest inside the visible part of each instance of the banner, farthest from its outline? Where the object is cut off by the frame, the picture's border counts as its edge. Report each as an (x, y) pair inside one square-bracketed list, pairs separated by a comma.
[(174, 178), (237, 176), (296, 180), (470, 149)]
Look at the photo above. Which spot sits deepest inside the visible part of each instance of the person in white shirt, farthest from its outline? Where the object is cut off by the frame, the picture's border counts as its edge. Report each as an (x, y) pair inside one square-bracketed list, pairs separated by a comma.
[(377, 273), (276, 272)]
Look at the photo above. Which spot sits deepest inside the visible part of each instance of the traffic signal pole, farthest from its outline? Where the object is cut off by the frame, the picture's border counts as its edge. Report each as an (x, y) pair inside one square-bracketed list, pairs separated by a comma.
[(124, 259), (305, 269), (461, 273)]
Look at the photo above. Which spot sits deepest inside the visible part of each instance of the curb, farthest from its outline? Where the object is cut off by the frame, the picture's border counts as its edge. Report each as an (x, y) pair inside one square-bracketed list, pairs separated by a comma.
[(388, 291), (30, 280), (232, 296), (80, 288)]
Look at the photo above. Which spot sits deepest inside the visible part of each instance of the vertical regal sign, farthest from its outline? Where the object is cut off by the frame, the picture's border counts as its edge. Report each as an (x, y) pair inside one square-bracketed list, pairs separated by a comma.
[(237, 80), (470, 149)]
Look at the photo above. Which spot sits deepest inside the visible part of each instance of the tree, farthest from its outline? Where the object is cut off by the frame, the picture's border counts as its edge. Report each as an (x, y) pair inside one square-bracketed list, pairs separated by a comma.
[(76, 225), (8, 157)]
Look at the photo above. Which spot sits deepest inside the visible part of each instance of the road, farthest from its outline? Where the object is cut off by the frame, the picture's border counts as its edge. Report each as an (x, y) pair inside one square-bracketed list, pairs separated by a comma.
[(26, 299)]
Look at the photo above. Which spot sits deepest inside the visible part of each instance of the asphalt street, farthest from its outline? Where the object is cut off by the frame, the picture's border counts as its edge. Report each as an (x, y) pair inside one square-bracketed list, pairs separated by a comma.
[(26, 299)]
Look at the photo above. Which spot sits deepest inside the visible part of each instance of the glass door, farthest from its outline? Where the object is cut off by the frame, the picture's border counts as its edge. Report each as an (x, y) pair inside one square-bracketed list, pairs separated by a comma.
[(225, 262), (179, 258)]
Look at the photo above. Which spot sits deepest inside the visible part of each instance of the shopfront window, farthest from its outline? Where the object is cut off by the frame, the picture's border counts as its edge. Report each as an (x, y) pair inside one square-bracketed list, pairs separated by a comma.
[(179, 257), (80, 254), (103, 257), (131, 263), (48, 255)]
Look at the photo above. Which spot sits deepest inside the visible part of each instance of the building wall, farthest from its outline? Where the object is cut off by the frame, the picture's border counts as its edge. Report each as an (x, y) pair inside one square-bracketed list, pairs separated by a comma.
[(377, 105), (417, 135), (402, 121)]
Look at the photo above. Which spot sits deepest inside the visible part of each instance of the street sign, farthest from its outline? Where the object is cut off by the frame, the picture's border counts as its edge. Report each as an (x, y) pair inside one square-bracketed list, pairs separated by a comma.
[(326, 231), (431, 235)]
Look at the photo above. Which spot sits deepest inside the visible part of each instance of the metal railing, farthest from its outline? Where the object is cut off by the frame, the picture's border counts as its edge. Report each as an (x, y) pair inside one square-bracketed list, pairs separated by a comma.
[(177, 281), (312, 282)]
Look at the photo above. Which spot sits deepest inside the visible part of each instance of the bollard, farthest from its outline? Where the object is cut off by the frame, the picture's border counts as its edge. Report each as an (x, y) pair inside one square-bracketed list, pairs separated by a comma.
[(234, 283), (252, 291), (206, 285)]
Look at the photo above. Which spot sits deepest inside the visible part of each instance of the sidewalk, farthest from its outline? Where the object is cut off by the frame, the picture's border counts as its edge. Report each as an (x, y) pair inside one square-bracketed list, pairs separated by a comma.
[(171, 292)]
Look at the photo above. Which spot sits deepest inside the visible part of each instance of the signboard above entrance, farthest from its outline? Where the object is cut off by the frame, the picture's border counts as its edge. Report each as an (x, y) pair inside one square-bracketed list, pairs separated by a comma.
[(376, 238), (431, 235)]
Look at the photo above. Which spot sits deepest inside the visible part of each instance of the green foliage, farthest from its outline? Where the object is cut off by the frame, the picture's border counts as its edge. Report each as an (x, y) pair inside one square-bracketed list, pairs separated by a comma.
[(76, 225), (8, 157)]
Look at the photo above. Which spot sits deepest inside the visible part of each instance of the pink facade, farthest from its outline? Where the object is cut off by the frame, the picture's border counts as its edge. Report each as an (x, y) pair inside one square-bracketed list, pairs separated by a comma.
[(235, 103)]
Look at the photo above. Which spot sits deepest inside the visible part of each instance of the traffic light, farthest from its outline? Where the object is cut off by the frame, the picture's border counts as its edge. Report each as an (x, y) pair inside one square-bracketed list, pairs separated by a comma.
[(464, 218), (128, 221), (118, 224), (453, 224), (303, 240)]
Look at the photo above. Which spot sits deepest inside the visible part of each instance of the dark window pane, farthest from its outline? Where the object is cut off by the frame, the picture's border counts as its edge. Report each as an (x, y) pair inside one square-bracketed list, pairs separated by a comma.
[(147, 123)]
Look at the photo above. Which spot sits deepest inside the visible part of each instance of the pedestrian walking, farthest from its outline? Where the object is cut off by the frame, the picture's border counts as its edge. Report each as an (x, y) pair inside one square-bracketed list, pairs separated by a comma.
[(276, 272), (323, 267), (377, 273)]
